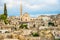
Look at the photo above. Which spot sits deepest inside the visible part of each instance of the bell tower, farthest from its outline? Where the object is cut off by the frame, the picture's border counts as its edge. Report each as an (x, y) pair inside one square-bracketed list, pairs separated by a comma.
[(20, 7)]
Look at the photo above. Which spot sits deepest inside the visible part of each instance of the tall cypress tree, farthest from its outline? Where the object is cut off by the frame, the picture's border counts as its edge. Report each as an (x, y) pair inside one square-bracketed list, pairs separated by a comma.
[(5, 10)]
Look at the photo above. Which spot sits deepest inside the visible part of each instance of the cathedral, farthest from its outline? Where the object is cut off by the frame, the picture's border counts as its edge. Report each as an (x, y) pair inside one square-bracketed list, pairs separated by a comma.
[(25, 18)]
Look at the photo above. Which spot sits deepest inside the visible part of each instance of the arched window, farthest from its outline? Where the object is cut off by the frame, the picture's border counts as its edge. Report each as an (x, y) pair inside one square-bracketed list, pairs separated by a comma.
[(34, 25), (21, 19), (25, 19)]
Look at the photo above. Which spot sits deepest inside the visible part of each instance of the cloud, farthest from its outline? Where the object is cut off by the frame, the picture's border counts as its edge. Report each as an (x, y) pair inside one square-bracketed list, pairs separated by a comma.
[(32, 6), (41, 4), (11, 3), (52, 2), (1, 7)]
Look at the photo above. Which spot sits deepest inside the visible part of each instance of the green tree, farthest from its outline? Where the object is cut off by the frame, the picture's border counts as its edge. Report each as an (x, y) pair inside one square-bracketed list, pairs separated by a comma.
[(6, 21), (2, 17), (5, 10), (57, 39)]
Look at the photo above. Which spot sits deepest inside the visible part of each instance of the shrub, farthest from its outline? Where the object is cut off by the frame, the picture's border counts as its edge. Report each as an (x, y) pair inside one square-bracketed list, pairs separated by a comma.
[(51, 24), (35, 34), (24, 26)]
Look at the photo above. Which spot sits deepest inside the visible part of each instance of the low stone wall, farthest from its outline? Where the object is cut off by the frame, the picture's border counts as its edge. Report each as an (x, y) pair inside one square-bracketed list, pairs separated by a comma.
[(33, 38), (10, 39)]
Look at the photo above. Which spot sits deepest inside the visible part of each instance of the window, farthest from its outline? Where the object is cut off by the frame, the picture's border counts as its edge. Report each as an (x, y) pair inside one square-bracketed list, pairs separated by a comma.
[(25, 19), (0, 31)]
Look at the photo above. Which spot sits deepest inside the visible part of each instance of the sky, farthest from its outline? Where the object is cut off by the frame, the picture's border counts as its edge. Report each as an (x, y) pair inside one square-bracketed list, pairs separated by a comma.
[(33, 7)]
